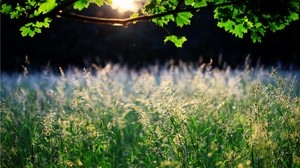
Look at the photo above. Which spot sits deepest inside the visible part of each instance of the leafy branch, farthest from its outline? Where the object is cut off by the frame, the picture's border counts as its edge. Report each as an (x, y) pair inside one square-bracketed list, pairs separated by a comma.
[(238, 17), (182, 18), (126, 21)]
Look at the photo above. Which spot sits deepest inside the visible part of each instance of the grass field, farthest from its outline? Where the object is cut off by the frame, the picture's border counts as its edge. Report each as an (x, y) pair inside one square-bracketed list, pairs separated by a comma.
[(162, 118)]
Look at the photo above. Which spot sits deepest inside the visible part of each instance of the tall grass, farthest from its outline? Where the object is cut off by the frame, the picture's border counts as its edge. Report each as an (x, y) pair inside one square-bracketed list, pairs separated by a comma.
[(167, 118)]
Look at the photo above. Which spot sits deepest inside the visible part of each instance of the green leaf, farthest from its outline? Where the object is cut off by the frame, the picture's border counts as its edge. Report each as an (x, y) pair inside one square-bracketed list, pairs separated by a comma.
[(163, 20), (47, 6), (108, 2), (273, 26), (37, 30), (170, 17), (255, 37), (200, 3), (236, 29), (45, 23), (14, 14), (174, 2), (177, 41), (5, 8), (239, 30), (228, 25), (160, 22), (30, 29), (189, 2), (31, 2), (134, 15), (98, 2), (26, 31), (294, 16), (81, 4), (216, 1), (248, 23), (183, 18)]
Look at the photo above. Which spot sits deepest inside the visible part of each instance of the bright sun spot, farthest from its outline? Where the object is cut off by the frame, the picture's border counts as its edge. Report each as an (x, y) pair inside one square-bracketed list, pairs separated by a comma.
[(126, 5)]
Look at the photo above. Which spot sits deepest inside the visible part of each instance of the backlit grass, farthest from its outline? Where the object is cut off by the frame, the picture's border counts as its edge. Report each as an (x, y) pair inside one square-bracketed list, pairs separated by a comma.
[(166, 118)]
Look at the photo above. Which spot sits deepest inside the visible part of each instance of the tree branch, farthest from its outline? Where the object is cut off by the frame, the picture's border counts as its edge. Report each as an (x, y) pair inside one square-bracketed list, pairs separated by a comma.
[(126, 21)]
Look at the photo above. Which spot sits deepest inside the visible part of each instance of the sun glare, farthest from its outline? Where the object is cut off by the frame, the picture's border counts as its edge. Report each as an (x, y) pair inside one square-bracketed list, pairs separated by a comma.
[(126, 5)]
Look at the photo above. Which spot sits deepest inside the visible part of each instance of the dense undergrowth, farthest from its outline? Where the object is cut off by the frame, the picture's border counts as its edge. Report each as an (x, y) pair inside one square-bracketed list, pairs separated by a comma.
[(167, 118)]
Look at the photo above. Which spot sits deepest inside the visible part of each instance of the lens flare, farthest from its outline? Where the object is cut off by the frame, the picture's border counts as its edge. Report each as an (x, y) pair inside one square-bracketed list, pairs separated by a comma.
[(126, 5)]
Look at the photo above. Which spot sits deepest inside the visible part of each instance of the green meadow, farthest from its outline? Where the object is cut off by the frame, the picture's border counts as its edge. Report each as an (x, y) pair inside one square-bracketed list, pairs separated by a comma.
[(180, 117)]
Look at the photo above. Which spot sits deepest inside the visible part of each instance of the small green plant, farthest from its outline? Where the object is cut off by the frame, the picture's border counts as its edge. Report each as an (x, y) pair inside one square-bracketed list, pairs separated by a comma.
[(176, 118)]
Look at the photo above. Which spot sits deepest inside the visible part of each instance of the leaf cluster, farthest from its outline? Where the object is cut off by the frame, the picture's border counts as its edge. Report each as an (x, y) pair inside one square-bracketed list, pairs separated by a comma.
[(28, 10), (256, 17), (39, 13)]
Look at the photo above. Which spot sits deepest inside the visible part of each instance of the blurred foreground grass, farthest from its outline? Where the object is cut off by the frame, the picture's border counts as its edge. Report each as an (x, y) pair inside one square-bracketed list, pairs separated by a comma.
[(162, 118)]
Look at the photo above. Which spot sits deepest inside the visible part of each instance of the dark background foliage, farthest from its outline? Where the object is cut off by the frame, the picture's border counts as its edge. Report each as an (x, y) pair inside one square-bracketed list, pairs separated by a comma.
[(72, 43)]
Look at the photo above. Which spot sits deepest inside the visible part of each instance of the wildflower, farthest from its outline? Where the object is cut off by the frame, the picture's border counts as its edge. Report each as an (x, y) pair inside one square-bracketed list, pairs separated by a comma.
[(213, 146), (209, 154), (69, 163), (14, 151), (296, 159), (295, 136), (65, 149), (231, 155), (219, 163), (79, 163), (248, 162), (168, 163), (240, 165)]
